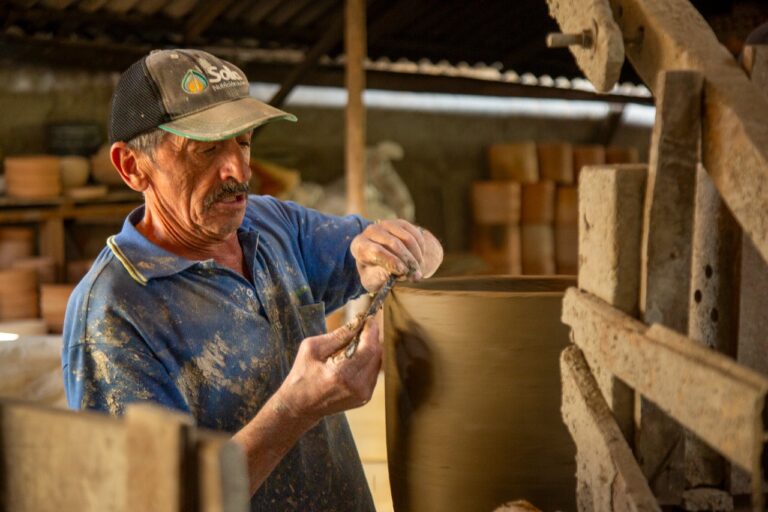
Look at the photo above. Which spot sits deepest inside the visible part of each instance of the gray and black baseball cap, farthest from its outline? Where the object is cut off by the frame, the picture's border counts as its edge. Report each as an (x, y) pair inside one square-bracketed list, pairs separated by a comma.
[(187, 92)]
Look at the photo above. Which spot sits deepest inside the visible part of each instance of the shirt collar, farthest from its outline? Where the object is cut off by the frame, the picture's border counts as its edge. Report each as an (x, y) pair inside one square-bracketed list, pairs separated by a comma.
[(144, 260)]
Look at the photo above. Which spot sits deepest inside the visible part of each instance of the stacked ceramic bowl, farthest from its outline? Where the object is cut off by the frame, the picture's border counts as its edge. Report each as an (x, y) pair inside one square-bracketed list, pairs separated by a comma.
[(18, 293), (16, 243), (33, 177), (53, 303)]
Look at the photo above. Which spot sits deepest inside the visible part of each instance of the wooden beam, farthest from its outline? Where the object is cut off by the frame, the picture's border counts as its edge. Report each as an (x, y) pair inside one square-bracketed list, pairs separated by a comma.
[(707, 392), (204, 15), (328, 40), (671, 34), (666, 260), (608, 477), (355, 50), (713, 315)]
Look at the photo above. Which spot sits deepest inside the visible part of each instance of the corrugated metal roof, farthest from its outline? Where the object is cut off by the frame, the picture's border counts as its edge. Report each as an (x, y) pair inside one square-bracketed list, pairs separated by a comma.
[(494, 40)]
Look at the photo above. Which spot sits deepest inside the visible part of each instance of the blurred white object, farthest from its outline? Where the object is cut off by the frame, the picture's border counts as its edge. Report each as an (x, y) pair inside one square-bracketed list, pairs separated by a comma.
[(30, 370), (386, 196)]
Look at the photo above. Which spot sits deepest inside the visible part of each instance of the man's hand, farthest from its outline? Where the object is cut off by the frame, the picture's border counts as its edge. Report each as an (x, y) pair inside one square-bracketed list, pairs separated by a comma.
[(323, 381), (395, 247)]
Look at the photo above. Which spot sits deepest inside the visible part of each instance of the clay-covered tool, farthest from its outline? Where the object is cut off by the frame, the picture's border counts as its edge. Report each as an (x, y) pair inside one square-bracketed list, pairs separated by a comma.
[(376, 304)]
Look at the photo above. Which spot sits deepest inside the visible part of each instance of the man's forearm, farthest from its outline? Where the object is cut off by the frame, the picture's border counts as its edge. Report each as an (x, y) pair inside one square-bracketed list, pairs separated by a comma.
[(268, 437)]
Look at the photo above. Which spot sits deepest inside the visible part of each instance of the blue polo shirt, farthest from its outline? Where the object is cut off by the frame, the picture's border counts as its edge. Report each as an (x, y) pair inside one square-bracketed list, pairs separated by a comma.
[(147, 325)]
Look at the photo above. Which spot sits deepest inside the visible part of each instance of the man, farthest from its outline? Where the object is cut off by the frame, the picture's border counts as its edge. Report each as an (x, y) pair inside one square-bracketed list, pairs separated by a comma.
[(213, 302)]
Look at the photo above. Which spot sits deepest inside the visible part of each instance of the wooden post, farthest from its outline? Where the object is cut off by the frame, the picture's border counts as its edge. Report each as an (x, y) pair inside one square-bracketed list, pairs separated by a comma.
[(355, 49), (672, 34), (609, 479), (666, 260), (713, 311), (156, 441), (753, 315)]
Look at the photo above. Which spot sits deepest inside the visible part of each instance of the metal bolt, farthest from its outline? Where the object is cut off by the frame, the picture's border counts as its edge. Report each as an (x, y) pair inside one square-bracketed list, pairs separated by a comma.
[(560, 40)]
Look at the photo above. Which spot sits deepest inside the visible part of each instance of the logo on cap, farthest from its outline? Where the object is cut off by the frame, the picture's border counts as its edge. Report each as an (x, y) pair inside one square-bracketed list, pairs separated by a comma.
[(194, 82)]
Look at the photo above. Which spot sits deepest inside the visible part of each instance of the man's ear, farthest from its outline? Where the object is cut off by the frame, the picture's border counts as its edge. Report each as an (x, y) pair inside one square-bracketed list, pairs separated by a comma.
[(126, 162)]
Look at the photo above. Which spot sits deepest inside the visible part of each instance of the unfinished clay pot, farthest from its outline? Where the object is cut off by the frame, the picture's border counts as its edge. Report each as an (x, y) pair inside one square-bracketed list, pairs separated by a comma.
[(473, 394)]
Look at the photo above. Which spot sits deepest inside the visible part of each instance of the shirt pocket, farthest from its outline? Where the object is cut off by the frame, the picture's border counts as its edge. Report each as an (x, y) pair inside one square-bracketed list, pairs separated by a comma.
[(312, 318)]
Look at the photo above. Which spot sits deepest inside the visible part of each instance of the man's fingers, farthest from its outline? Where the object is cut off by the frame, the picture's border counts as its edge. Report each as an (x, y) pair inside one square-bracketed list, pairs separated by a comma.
[(378, 255), (405, 249), (415, 233), (325, 345)]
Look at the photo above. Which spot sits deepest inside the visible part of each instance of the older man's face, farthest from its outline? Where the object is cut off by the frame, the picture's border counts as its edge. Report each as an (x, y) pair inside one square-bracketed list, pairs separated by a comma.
[(201, 188)]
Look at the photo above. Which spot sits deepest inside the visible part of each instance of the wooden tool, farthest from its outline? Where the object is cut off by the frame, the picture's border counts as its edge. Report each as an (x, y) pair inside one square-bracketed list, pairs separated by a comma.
[(376, 304)]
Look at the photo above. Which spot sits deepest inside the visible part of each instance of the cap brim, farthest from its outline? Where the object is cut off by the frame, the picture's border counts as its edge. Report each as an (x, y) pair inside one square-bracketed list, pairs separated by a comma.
[(226, 120)]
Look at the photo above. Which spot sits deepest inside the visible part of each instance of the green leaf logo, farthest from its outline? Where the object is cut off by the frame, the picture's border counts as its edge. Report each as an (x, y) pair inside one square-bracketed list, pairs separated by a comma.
[(194, 82)]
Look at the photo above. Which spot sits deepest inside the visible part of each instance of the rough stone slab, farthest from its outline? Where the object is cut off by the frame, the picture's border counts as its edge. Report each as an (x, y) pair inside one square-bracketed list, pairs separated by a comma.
[(610, 228), (609, 478), (708, 393), (735, 134), (602, 62)]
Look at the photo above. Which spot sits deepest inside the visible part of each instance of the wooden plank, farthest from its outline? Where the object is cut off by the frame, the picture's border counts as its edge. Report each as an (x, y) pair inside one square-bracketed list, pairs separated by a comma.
[(669, 201), (355, 50), (156, 446), (707, 392), (57, 460), (609, 478), (222, 474), (666, 259), (735, 135)]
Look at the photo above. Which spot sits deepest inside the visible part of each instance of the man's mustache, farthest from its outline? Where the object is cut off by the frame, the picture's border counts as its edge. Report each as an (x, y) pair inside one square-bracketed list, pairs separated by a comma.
[(226, 189)]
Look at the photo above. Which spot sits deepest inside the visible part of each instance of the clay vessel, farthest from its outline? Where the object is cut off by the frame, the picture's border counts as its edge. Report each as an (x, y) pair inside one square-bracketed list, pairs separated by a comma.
[(473, 394), (53, 305)]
